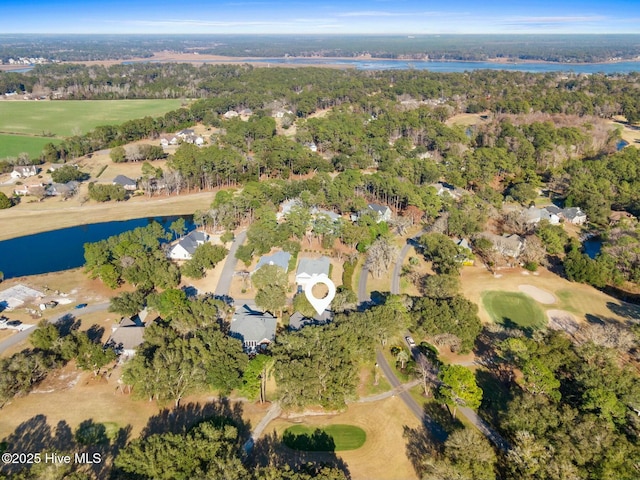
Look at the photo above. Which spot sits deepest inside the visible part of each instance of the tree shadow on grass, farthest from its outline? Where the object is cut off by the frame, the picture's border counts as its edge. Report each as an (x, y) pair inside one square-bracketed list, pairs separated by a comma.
[(630, 312), (271, 451), (318, 441), (185, 417), (36, 435), (67, 324)]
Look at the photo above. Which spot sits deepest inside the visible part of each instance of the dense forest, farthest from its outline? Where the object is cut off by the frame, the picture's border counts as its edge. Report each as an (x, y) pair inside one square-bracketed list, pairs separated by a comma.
[(551, 48)]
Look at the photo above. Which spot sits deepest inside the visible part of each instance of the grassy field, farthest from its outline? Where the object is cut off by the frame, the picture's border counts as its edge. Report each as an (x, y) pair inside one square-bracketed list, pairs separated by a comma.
[(332, 438), (516, 309), (14, 145), (64, 118)]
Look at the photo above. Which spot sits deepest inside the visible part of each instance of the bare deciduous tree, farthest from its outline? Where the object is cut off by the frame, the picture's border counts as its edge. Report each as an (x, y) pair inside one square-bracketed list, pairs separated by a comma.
[(380, 256)]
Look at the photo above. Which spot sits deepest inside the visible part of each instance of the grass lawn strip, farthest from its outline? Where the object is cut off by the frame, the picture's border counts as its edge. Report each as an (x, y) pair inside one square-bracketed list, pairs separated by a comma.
[(64, 118), (14, 145), (330, 438), (513, 309)]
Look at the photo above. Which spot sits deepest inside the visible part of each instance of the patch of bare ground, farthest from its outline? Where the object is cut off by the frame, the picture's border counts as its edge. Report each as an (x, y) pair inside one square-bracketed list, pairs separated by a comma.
[(383, 455)]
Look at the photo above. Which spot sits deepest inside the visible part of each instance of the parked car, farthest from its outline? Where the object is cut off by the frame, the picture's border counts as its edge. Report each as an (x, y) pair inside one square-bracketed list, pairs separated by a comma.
[(80, 305), (410, 341)]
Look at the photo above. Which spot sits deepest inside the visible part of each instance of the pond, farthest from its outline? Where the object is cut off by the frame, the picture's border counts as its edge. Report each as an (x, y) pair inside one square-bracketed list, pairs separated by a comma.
[(592, 246), (621, 144), (64, 249)]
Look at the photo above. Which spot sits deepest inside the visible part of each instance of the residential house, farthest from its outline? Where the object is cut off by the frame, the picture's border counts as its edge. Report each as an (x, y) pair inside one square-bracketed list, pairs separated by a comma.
[(286, 207), (312, 266), (129, 334), (246, 112), (508, 245), (311, 146), (29, 189), (574, 215), (279, 259), (443, 188), (319, 211), (64, 190), (127, 183), (465, 255), (57, 166), (186, 247), (167, 140), (382, 212), (281, 113), (231, 114), (187, 132), (24, 171), (298, 321), (255, 329), (536, 215)]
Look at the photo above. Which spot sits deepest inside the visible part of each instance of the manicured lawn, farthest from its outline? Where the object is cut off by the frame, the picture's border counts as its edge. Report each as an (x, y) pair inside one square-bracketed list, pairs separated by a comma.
[(64, 118), (14, 145), (513, 310), (332, 438)]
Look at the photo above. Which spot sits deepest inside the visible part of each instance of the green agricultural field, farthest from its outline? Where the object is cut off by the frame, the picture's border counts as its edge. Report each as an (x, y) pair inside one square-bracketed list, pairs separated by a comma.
[(64, 118), (332, 438), (514, 310), (14, 145)]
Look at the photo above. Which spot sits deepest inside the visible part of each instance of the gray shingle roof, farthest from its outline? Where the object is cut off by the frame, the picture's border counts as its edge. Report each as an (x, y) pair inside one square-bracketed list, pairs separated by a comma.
[(311, 266), (194, 239), (298, 321), (250, 325), (124, 181), (280, 259)]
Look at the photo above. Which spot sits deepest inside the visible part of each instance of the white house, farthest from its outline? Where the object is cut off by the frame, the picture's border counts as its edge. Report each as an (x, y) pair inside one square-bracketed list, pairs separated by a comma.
[(536, 215), (186, 247), (382, 212), (574, 215), (24, 171), (231, 114), (311, 266)]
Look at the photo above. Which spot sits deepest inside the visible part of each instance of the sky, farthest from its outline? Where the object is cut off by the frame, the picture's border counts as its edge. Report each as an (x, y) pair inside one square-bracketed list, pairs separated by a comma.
[(320, 16)]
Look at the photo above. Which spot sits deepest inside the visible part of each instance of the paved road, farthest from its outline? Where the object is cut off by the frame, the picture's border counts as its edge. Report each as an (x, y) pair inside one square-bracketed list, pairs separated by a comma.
[(436, 430), (363, 297), (229, 266), (23, 335), (395, 277), (493, 436)]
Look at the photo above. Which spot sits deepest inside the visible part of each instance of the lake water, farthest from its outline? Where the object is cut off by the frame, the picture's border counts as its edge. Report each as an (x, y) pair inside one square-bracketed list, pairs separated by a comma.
[(64, 249), (445, 67)]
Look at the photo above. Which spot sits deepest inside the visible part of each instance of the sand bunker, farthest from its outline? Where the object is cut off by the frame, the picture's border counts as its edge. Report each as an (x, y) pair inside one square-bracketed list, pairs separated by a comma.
[(538, 294), (562, 320)]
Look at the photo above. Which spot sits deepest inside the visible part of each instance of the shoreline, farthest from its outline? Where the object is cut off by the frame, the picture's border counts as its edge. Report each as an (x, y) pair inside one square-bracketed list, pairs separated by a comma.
[(21, 222), (202, 59)]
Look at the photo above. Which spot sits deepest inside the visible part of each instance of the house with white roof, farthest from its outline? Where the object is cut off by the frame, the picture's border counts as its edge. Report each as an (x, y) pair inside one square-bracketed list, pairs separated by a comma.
[(24, 171)]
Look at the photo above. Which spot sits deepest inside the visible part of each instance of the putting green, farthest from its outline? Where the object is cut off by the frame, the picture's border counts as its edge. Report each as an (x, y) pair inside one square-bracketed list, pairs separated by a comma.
[(332, 438), (514, 310)]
